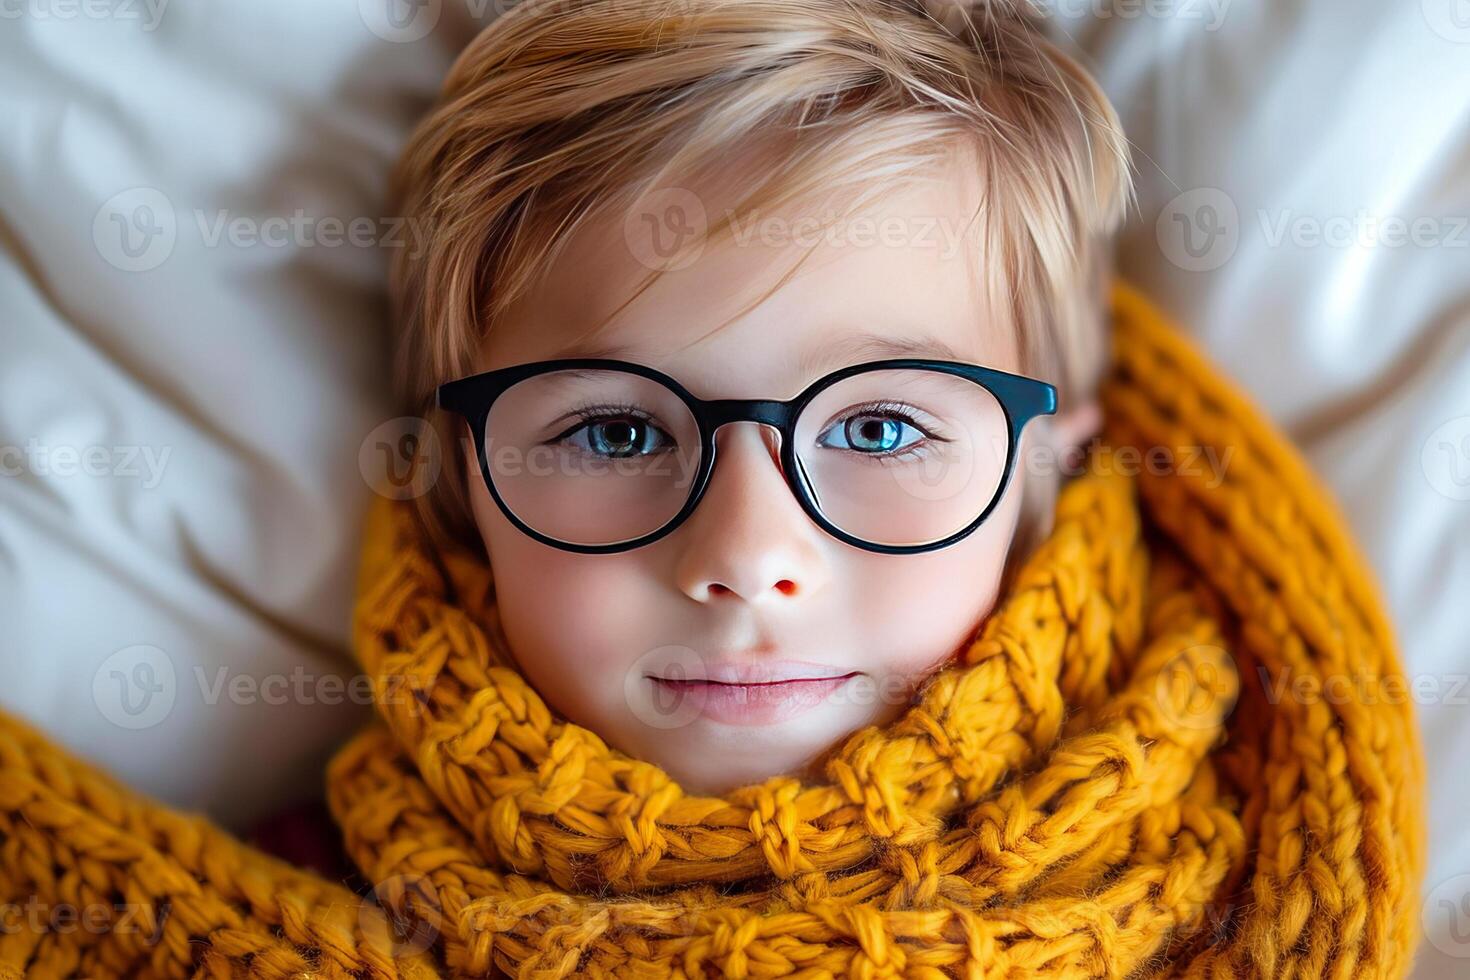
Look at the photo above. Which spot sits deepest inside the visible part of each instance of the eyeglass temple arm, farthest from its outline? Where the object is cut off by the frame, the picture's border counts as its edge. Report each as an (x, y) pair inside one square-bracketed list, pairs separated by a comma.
[(1027, 397)]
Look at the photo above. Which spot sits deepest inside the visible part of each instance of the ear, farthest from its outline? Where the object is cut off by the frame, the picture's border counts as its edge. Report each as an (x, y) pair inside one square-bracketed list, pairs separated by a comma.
[(1075, 425)]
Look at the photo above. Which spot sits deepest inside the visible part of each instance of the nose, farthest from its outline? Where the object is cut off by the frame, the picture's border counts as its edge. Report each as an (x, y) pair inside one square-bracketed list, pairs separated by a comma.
[(749, 538)]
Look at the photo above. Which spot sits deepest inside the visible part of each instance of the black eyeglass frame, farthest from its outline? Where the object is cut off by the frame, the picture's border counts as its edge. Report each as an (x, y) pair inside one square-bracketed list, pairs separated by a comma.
[(1021, 399)]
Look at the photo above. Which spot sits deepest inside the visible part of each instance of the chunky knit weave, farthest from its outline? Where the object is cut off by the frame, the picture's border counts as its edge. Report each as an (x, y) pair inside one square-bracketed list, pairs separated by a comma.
[(1142, 766)]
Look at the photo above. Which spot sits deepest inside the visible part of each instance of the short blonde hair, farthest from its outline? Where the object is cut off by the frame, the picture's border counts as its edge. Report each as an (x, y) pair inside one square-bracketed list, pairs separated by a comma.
[(562, 111)]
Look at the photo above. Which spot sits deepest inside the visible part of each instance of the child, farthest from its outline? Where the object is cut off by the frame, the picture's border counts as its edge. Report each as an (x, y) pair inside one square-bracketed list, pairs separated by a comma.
[(851, 181), (749, 634)]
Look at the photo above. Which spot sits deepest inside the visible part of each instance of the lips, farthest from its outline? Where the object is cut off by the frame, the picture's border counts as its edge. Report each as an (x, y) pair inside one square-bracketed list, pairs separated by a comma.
[(757, 672), (753, 694)]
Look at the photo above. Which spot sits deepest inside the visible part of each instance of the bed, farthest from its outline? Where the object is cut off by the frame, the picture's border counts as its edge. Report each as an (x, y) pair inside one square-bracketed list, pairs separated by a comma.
[(193, 370)]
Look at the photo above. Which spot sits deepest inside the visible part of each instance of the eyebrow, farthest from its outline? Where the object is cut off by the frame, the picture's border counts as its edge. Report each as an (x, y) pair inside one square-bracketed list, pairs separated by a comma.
[(861, 347), (848, 349)]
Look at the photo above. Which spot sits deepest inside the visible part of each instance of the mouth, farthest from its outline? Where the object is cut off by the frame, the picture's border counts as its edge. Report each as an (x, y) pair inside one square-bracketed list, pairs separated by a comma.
[(755, 694)]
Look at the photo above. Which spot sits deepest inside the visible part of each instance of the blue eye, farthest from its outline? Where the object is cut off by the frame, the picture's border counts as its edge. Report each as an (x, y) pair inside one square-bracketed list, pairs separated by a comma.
[(617, 437), (872, 433)]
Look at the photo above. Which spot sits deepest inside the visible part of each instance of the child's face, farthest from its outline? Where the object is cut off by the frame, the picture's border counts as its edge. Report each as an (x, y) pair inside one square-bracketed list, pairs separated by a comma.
[(749, 583)]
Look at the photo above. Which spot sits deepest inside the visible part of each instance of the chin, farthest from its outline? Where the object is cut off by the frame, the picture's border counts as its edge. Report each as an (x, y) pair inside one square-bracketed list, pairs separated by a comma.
[(725, 758)]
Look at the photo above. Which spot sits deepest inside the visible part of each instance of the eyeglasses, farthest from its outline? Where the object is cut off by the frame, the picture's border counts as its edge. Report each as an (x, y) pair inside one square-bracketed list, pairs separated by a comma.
[(595, 455)]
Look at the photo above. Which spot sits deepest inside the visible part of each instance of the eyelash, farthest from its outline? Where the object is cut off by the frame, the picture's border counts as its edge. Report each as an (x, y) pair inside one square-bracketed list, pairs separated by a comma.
[(888, 409), (588, 413), (897, 409)]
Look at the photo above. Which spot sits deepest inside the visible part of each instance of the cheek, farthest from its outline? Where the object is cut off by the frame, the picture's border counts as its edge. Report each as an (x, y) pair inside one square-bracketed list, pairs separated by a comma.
[(923, 607), (569, 619)]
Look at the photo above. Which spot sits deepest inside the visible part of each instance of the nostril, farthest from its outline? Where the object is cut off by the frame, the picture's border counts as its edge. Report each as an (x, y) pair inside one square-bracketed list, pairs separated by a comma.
[(785, 586)]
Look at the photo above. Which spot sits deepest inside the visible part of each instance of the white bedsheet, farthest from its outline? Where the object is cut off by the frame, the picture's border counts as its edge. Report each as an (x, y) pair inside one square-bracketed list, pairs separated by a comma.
[(222, 387), (169, 597)]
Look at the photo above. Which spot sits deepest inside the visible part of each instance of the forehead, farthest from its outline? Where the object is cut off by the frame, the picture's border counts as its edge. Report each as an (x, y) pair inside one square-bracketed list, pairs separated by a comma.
[(793, 293)]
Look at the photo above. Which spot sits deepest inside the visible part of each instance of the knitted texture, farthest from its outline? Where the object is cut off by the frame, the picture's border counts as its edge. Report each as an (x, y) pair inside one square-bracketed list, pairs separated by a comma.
[(1144, 764)]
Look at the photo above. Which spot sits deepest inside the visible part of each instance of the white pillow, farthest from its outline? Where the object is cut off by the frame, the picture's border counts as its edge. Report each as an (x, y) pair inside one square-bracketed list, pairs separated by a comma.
[(183, 401)]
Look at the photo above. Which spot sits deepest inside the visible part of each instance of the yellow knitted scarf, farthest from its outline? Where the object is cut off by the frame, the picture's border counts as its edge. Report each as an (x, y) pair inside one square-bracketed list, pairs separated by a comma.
[(1145, 765)]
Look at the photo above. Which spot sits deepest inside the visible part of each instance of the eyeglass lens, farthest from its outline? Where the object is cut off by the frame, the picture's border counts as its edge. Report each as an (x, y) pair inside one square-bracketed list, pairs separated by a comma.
[(893, 457)]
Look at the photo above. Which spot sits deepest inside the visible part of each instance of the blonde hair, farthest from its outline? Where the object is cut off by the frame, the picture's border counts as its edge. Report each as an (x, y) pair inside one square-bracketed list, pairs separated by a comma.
[(563, 111)]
